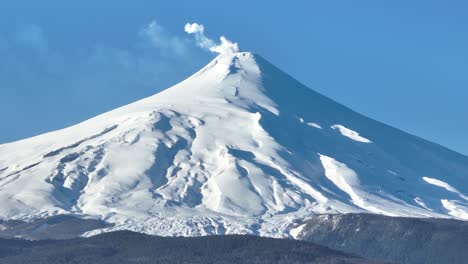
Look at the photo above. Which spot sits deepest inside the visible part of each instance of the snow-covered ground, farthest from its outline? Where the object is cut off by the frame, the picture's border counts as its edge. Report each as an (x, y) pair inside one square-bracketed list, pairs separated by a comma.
[(239, 147)]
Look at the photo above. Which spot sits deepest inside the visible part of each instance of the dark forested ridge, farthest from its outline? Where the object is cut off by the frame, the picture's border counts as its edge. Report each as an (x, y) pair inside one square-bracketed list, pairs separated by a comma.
[(129, 247), (54, 227), (398, 239), (401, 239)]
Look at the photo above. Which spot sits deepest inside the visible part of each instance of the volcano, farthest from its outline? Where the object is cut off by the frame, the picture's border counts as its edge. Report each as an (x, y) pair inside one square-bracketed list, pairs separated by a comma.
[(240, 147)]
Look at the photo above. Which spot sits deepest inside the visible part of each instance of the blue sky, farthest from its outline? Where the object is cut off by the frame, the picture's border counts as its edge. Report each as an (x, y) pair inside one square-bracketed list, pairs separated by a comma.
[(404, 63)]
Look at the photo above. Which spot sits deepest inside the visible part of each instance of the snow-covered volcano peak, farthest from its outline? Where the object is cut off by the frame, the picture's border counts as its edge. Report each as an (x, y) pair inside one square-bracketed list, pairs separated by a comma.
[(233, 79), (238, 147), (231, 63), (227, 58)]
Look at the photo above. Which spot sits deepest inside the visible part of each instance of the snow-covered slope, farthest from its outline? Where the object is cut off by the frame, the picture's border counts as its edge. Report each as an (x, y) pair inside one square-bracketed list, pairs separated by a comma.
[(239, 147)]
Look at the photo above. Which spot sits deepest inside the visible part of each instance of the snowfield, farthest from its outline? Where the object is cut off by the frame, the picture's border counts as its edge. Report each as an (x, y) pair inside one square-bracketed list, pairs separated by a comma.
[(239, 147)]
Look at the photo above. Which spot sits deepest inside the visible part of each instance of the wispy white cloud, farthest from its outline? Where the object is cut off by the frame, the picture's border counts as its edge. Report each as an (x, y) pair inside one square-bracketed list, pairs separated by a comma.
[(163, 40), (225, 45), (164, 55), (103, 74), (32, 36)]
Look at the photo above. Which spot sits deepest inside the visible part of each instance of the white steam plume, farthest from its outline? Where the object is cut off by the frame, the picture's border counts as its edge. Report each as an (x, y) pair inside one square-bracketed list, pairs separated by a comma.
[(226, 46)]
